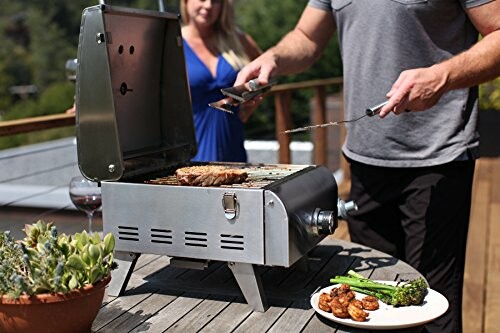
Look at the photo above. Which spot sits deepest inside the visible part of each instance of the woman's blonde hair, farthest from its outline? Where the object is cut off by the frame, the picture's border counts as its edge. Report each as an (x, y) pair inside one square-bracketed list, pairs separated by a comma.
[(227, 40)]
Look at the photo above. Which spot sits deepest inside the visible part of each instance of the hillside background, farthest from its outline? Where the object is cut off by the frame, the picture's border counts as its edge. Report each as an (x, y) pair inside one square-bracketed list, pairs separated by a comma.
[(39, 36)]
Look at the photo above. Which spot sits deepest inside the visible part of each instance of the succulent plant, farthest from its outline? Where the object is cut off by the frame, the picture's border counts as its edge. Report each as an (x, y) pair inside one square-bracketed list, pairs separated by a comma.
[(45, 262)]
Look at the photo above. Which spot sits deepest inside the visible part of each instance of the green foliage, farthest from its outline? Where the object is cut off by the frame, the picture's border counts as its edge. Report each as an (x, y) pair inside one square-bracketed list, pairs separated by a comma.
[(55, 99), (48, 49), (45, 262), (489, 95), (409, 293), (38, 36)]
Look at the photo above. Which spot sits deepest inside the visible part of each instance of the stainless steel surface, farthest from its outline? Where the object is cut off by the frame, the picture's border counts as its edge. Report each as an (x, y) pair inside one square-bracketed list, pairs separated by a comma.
[(345, 207), (332, 123), (161, 219), (248, 90), (119, 93), (230, 205), (223, 105), (240, 94), (135, 128), (370, 112), (250, 284), (161, 6)]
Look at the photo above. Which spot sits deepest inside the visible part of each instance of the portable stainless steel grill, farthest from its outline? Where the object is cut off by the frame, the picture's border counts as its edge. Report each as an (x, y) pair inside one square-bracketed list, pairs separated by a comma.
[(135, 128)]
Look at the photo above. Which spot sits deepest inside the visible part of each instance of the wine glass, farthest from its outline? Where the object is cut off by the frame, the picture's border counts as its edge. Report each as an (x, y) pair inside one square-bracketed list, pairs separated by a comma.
[(86, 196)]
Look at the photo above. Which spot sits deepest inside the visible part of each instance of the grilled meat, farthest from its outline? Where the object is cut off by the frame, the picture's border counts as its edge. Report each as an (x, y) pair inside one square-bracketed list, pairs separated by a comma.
[(209, 175)]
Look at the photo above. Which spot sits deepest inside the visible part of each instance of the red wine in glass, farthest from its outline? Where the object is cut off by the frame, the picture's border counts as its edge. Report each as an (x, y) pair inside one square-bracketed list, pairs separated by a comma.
[(86, 203), (86, 196)]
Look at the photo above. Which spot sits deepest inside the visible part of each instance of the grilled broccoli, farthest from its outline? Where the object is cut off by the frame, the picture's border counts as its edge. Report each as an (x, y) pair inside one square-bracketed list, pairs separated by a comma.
[(409, 293)]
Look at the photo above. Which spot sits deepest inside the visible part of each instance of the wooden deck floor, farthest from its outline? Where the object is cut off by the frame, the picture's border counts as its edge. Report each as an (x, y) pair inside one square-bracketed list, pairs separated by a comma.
[(481, 305)]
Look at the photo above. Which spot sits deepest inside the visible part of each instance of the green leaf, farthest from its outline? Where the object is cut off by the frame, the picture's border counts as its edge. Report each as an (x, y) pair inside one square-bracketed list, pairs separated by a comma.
[(95, 275), (40, 248), (109, 244), (94, 253), (76, 262), (73, 283), (96, 239)]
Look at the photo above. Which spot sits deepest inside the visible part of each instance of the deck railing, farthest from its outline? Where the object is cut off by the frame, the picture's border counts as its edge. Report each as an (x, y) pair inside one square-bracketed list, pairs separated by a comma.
[(282, 99)]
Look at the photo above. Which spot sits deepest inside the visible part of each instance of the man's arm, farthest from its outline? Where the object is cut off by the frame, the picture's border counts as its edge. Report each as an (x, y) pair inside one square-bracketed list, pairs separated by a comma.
[(482, 61), (419, 89), (297, 51)]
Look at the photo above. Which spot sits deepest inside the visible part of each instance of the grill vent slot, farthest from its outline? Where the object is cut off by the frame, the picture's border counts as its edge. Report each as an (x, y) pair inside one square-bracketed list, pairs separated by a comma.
[(197, 239), (232, 242), (162, 236), (128, 233)]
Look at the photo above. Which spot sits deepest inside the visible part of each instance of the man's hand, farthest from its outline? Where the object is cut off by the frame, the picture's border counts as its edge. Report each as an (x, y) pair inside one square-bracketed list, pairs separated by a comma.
[(297, 51), (420, 89), (415, 90), (259, 70)]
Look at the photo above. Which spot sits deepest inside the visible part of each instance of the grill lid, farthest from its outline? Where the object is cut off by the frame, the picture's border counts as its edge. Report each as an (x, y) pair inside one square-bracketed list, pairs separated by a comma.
[(133, 102)]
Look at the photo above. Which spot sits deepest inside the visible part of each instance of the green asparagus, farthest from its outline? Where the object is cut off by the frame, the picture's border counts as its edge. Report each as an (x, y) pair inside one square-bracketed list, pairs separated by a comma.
[(408, 293)]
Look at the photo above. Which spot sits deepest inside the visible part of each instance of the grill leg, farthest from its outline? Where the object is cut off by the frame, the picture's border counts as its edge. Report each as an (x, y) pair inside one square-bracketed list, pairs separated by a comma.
[(119, 277), (250, 285)]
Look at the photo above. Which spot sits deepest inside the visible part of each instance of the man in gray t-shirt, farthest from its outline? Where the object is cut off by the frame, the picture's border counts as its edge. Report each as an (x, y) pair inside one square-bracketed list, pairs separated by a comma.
[(411, 175)]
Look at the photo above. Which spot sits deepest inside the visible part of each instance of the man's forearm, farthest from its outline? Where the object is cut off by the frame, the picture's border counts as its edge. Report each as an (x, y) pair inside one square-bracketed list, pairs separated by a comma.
[(294, 53), (481, 63)]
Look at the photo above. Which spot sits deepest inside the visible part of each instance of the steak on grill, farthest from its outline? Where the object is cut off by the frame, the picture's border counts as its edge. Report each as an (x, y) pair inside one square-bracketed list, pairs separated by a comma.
[(210, 175)]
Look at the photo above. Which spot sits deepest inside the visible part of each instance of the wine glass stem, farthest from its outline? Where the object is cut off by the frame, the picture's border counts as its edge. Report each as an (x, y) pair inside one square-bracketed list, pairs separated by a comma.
[(89, 216)]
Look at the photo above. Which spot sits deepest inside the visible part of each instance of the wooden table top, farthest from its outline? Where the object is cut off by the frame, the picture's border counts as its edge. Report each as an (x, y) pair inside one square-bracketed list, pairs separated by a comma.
[(160, 298)]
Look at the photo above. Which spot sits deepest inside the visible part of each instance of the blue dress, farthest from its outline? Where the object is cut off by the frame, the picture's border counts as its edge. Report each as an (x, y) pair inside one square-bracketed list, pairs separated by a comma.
[(219, 134)]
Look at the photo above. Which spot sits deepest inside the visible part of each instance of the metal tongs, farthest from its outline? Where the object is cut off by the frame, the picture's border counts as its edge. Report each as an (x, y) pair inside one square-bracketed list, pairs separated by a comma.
[(370, 112), (241, 94)]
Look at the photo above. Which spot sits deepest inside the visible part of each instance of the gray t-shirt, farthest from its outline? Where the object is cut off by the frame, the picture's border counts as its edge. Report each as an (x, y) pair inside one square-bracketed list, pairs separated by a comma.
[(380, 39)]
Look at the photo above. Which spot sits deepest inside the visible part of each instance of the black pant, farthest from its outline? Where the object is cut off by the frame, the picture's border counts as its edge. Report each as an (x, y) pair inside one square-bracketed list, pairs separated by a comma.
[(421, 216)]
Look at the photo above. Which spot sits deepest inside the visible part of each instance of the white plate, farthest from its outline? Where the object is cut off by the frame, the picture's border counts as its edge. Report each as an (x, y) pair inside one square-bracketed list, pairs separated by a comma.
[(389, 317)]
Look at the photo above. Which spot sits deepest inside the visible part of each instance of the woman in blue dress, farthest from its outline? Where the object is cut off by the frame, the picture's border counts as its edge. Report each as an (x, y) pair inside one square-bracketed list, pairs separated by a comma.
[(215, 50)]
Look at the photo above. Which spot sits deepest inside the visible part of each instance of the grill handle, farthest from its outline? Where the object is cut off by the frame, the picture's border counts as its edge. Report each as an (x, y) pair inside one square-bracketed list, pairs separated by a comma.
[(161, 6)]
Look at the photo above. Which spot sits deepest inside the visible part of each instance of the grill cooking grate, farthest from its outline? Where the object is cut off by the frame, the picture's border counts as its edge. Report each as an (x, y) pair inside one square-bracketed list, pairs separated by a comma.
[(258, 176)]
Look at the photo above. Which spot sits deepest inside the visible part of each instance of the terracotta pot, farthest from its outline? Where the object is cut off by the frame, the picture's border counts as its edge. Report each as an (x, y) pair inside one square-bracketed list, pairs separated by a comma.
[(56, 313)]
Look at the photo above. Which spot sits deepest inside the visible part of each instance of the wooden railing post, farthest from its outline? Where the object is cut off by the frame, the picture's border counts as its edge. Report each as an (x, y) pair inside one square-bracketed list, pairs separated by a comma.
[(283, 120), (319, 117)]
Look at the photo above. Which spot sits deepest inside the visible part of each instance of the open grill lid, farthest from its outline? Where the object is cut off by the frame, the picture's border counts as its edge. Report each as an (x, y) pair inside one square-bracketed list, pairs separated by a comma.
[(132, 94)]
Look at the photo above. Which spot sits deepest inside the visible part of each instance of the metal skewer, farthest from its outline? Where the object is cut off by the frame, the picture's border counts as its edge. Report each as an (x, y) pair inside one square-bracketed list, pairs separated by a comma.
[(370, 112)]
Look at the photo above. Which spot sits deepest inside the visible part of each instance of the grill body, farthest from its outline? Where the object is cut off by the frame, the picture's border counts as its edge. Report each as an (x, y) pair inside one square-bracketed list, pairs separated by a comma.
[(134, 124), (271, 226)]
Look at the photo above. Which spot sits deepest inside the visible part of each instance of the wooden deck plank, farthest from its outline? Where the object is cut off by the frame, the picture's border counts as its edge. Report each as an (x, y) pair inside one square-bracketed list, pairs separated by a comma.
[(319, 324), (295, 318), (493, 277), (147, 265), (116, 308), (475, 265), (137, 314), (229, 318), (200, 316), (495, 174), (259, 322), (170, 314)]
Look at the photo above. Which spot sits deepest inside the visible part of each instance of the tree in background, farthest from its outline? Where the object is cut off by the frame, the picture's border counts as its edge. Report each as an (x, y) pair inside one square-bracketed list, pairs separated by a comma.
[(38, 36), (267, 22)]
